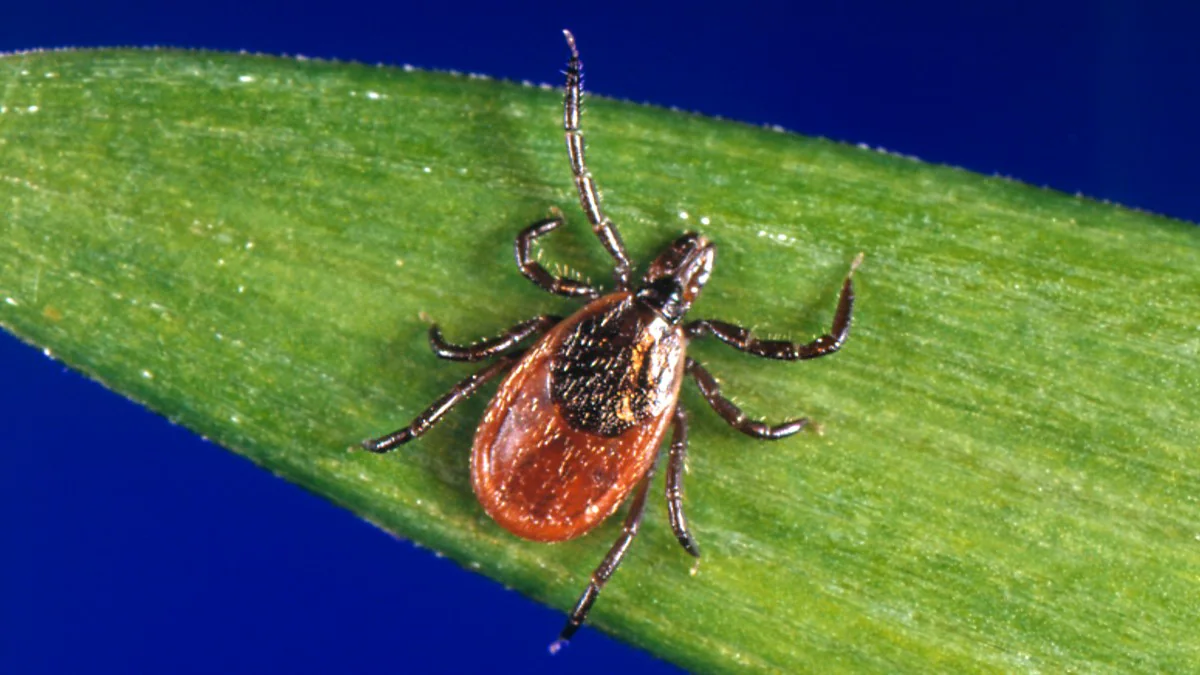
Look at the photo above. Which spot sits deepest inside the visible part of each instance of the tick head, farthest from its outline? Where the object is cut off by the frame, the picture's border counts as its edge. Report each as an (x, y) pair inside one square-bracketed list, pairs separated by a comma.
[(677, 275)]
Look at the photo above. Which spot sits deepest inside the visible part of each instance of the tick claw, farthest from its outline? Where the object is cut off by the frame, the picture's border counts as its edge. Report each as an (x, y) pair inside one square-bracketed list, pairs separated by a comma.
[(387, 443), (556, 646), (854, 265), (376, 445)]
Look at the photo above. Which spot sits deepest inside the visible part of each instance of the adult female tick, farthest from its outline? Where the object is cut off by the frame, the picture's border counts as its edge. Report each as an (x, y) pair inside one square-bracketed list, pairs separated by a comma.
[(577, 423)]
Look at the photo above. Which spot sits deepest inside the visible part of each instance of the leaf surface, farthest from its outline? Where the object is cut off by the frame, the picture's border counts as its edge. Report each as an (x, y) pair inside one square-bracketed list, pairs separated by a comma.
[(1007, 474)]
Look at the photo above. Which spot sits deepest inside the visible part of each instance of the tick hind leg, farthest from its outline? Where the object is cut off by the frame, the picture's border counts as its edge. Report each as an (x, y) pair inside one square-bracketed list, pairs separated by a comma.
[(533, 270), (589, 195), (440, 407), (491, 346), (733, 414), (741, 338), (676, 466), (607, 566)]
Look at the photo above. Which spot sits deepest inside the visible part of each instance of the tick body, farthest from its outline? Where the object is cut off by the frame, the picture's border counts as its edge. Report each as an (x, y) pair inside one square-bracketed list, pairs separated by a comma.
[(577, 423)]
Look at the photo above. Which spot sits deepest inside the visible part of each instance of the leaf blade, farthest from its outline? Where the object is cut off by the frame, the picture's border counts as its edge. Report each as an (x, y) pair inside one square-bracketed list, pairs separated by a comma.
[(1006, 481)]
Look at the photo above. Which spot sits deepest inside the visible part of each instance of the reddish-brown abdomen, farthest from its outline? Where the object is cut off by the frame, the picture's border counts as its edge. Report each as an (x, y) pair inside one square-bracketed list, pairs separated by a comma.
[(540, 477)]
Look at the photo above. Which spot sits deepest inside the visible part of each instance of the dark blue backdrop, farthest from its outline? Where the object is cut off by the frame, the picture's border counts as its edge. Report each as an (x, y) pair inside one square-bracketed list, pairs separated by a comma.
[(139, 548)]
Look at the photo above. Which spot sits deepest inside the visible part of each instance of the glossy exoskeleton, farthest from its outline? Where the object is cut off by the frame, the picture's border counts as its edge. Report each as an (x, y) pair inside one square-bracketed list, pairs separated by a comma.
[(577, 423)]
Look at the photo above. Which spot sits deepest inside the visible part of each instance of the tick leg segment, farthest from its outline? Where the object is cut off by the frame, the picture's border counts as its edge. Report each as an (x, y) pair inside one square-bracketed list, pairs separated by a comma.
[(607, 566), (589, 195), (491, 346), (676, 465), (438, 410), (741, 338), (533, 270), (733, 414)]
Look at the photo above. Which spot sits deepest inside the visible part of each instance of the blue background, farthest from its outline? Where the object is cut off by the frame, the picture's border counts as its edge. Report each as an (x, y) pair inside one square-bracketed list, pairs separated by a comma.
[(129, 545)]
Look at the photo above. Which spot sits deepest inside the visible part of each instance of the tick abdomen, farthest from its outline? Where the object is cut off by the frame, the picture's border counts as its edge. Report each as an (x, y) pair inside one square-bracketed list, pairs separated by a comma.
[(540, 464)]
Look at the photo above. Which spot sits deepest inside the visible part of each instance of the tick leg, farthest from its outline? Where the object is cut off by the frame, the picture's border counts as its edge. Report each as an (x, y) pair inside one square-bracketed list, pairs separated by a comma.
[(589, 195), (733, 414), (607, 566), (438, 410), (533, 270), (741, 338), (676, 465), (491, 346)]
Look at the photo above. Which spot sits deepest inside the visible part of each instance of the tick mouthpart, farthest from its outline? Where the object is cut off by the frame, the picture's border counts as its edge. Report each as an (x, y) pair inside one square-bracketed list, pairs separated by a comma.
[(677, 276)]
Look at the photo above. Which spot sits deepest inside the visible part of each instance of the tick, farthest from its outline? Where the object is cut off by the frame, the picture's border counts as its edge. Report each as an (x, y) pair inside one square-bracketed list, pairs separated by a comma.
[(576, 426)]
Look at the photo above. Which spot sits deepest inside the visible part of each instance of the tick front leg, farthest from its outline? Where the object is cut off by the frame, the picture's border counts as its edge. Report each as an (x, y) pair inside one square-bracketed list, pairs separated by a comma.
[(733, 414), (741, 338), (609, 565), (589, 195), (533, 270), (438, 410), (491, 346), (676, 466)]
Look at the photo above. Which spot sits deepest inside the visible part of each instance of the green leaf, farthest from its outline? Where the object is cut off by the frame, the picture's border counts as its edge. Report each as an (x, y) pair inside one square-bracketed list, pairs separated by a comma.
[(1008, 473)]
